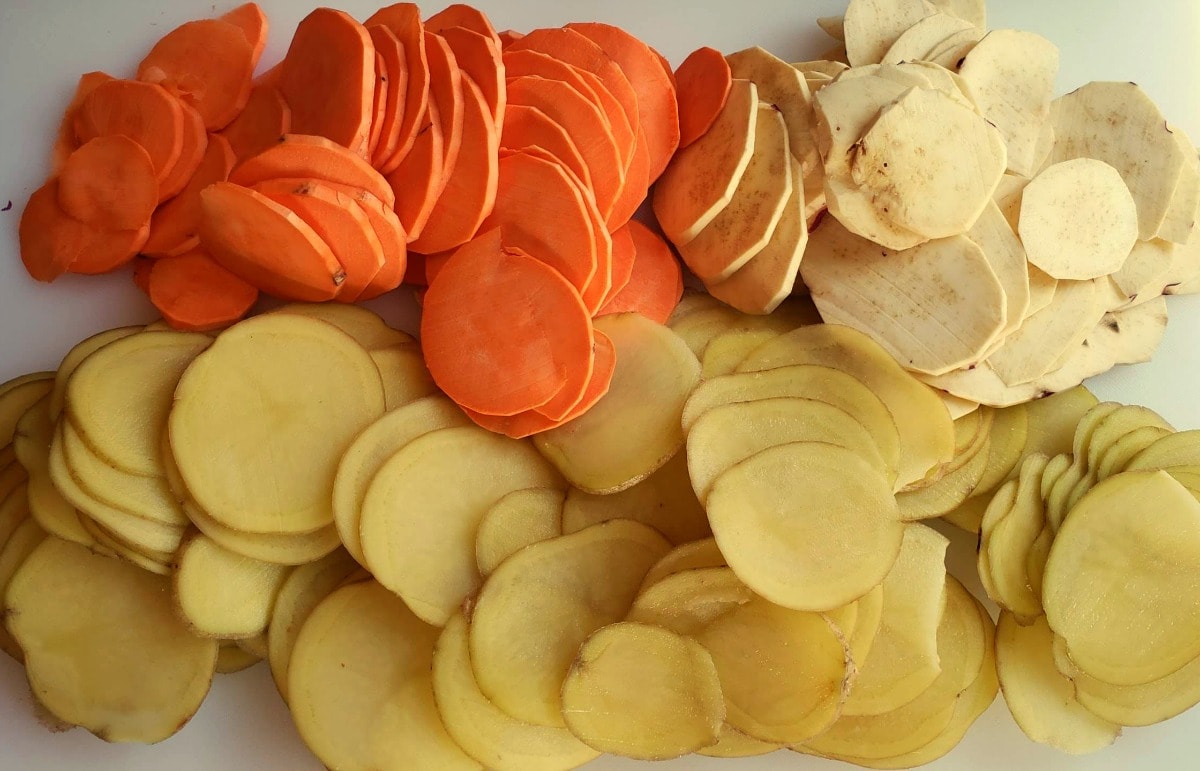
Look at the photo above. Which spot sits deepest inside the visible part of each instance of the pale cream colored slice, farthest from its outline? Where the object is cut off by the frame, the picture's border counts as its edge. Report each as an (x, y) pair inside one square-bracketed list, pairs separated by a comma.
[(701, 178), (919, 40), (934, 307), (518, 519), (930, 163), (280, 445), (224, 595), (364, 325), (1010, 75), (635, 428), (903, 661), (925, 429), (815, 551), (1141, 623), (643, 692), (951, 51), (1078, 220), (119, 396), (537, 608), (854, 209), (404, 374), (1045, 146), (1118, 124), (834, 26), (1030, 351), (422, 511), (1184, 276), (974, 11), (104, 648), (371, 449), (872, 26), (768, 277), (957, 407), (1179, 223), (664, 500), (1042, 287), (1004, 252), (360, 685), (1146, 271), (981, 383), (783, 86), (1008, 197), (75, 357), (1040, 698), (744, 226), (484, 731), (829, 69)]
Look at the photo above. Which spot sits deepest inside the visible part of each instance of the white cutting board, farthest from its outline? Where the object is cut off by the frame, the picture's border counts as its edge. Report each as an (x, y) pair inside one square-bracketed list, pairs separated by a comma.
[(46, 44)]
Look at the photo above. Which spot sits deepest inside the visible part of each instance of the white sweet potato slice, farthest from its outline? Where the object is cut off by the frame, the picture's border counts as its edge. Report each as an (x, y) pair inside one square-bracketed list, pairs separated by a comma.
[(951, 51), (1031, 350), (1117, 123), (872, 26), (1004, 252), (934, 307), (1144, 275), (974, 11), (700, 180), (1078, 220), (1010, 75), (1179, 223), (920, 39), (834, 26)]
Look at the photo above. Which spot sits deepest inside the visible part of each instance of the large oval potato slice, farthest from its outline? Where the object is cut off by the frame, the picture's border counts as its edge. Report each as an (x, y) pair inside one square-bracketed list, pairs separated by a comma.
[(807, 525), (366, 327), (75, 357), (422, 512), (643, 692), (103, 646), (484, 731), (280, 444), (222, 594), (634, 429), (536, 609)]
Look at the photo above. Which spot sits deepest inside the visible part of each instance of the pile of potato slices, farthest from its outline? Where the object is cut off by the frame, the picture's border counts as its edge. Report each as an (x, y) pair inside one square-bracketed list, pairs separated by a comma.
[(998, 242)]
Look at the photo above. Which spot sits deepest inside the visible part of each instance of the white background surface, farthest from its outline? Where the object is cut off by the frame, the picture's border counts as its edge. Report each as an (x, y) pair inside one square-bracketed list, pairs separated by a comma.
[(46, 44)]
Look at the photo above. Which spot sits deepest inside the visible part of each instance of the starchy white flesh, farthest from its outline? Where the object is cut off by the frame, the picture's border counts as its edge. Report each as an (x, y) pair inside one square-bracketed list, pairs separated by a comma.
[(872, 26), (782, 85), (919, 40)]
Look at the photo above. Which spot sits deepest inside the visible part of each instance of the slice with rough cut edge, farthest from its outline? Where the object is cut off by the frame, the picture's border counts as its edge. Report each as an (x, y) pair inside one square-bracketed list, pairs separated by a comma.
[(701, 179), (871, 27), (1078, 220), (782, 85), (1145, 273), (1031, 351), (934, 307), (1004, 252), (919, 40)]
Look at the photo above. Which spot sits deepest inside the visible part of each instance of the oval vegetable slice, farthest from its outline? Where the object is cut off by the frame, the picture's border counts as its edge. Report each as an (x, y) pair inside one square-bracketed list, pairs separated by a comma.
[(222, 594), (515, 521)]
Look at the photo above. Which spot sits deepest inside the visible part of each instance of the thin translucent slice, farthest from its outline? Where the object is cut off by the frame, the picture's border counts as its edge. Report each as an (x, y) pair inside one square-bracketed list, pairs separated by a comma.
[(517, 520)]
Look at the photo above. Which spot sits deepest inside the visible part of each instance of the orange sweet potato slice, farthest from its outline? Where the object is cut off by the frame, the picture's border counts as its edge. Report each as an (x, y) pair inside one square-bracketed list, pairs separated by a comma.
[(404, 20), (299, 156), (52, 242), (465, 16), (253, 23), (704, 80), (479, 57), (191, 152), (418, 180), (109, 183), (265, 118), (526, 127), (194, 293), (144, 112), (66, 142), (656, 283), (175, 226), (391, 49), (379, 105)]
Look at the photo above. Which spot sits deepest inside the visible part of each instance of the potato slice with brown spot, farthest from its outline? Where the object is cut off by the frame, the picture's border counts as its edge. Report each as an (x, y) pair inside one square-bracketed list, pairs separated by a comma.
[(1078, 220), (930, 163), (872, 26), (1010, 76), (916, 42), (1117, 123), (934, 307), (643, 692), (701, 178), (745, 225)]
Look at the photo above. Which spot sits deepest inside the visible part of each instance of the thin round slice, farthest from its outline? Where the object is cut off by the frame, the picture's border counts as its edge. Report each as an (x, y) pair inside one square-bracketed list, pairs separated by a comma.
[(518, 519), (222, 594)]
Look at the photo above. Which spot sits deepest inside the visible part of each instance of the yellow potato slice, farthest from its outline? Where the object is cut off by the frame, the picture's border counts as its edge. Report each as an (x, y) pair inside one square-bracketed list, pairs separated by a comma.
[(1141, 705), (692, 301), (919, 40), (103, 646), (422, 511), (114, 545), (484, 731), (14, 550), (74, 357), (782, 85), (518, 519), (1118, 124), (961, 643), (1010, 541), (925, 429), (643, 692), (1010, 75), (364, 325), (1041, 699), (1126, 448), (1145, 273), (726, 351), (1180, 449), (277, 548), (371, 449), (887, 295), (1006, 256), (868, 613), (688, 556), (768, 277), (688, 601), (224, 595), (930, 163), (726, 435), (232, 659), (280, 445), (1030, 351), (1078, 220), (31, 445), (1138, 624), (17, 396), (1009, 434), (948, 491), (53, 512), (1115, 426), (404, 374), (119, 396), (872, 26), (1052, 421), (700, 328), (360, 685), (732, 743), (302, 590), (635, 428), (536, 609), (903, 661), (806, 657), (702, 177), (664, 500), (807, 525)]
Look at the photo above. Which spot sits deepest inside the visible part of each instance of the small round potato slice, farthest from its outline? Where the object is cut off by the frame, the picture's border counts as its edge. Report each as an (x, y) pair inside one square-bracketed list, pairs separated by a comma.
[(104, 648), (223, 594), (1078, 220), (688, 556), (422, 511), (75, 357), (634, 429), (643, 692), (808, 525), (1140, 623), (484, 731), (536, 609), (518, 519), (280, 445)]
